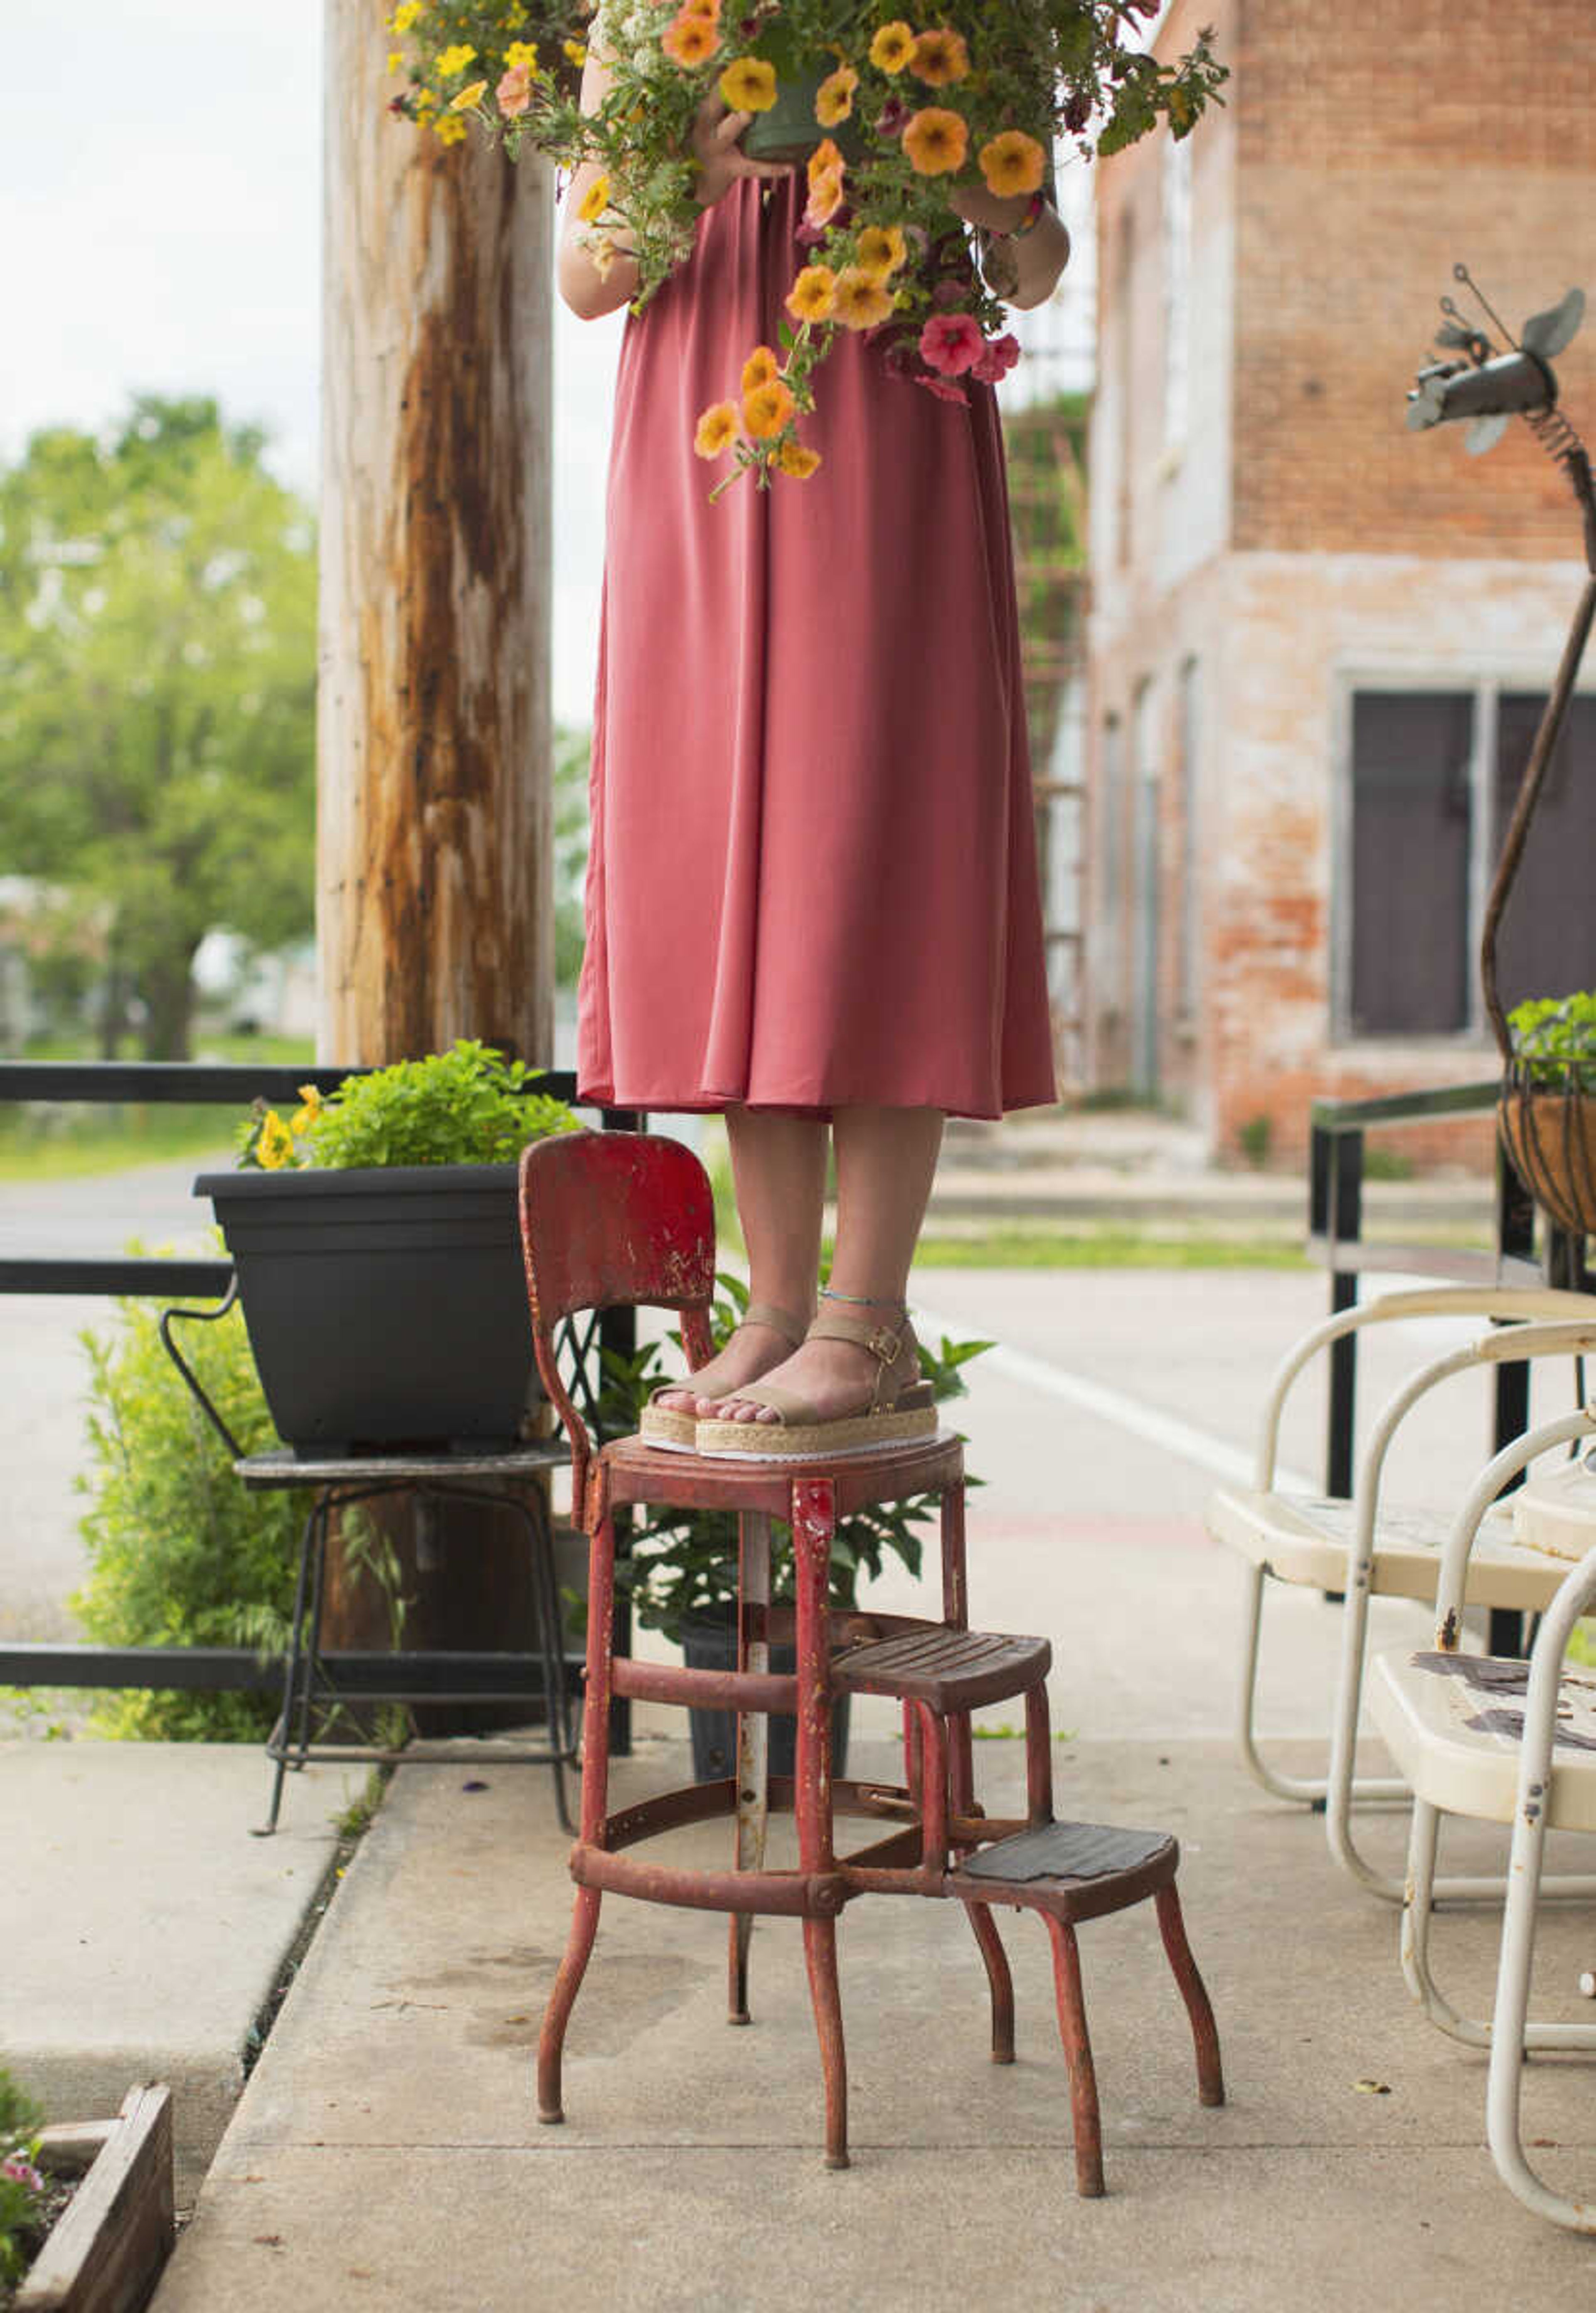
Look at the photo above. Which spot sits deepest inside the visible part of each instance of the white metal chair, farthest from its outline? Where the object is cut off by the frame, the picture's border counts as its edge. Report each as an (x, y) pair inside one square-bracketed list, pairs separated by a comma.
[(1349, 1547), (1500, 1742)]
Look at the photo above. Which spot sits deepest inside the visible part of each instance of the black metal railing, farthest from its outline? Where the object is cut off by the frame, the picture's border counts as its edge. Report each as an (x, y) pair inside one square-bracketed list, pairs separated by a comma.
[(432, 1675)]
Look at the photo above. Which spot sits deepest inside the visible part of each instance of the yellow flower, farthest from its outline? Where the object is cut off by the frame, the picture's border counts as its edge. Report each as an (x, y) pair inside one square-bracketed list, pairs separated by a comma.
[(403, 16), (834, 99), (809, 297), (861, 299), (688, 40), (594, 201), (936, 141), (396, 60), (452, 129), (748, 84), (940, 56), (760, 367), (826, 160), (305, 1118), (767, 410), (825, 198), (521, 52), (1012, 163), (275, 1146), (892, 47), (717, 429), (468, 97), (455, 60), (881, 250), (794, 459), (574, 52)]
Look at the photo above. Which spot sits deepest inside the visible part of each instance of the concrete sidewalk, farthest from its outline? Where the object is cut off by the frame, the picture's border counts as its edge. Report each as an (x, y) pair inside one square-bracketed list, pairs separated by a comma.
[(386, 2152)]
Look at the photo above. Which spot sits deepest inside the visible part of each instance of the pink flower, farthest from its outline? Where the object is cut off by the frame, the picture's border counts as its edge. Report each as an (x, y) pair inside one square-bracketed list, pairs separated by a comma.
[(951, 343), (890, 120), (22, 2171), (943, 391), (997, 358), (514, 91)]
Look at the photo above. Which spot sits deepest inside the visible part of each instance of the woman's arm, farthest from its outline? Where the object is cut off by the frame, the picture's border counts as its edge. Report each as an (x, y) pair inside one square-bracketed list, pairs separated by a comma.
[(593, 284), (1036, 260)]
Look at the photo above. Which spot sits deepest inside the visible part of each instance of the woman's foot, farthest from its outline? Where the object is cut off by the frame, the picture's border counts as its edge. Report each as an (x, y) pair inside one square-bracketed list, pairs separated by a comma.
[(836, 1378), (758, 1346)]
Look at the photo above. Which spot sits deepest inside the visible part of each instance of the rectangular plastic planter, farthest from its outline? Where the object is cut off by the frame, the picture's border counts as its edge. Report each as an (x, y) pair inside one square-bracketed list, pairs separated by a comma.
[(386, 1307)]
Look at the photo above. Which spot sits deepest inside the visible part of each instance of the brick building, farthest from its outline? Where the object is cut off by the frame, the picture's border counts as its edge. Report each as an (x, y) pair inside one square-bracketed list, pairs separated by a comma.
[(1318, 642)]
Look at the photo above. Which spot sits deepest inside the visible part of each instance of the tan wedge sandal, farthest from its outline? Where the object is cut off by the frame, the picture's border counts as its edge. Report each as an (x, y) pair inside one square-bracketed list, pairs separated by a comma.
[(669, 1425), (901, 1406)]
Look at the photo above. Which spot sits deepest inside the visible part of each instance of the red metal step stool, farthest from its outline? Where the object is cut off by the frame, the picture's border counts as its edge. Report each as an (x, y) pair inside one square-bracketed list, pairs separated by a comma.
[(615, 1218)]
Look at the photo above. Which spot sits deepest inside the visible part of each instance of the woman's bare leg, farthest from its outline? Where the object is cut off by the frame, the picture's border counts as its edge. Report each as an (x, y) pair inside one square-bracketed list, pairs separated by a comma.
[(778, 1168), (886, 1159)]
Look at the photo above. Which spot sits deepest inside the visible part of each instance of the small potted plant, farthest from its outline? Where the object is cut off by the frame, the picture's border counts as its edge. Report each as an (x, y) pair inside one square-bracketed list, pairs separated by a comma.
[(1548, 1111), (376, 1242), (681, 1569)]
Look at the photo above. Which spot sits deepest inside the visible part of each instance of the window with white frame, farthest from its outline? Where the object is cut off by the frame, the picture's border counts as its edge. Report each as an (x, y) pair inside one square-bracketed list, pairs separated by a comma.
[(1432, 777)]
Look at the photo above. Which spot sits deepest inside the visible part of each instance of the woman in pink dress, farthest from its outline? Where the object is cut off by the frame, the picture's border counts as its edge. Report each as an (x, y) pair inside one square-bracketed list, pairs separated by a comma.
[(812, 899)]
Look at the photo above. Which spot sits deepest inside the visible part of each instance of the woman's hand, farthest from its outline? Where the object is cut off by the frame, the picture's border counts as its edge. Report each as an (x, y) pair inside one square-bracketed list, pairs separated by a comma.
[(721, 158)]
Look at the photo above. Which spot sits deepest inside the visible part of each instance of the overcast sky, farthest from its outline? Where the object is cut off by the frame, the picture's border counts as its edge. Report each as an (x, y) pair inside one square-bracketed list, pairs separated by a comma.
[(160, 228)]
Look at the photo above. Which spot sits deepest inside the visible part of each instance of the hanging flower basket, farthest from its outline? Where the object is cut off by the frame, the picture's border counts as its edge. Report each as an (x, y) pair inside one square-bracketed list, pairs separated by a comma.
[(1550, 1133)]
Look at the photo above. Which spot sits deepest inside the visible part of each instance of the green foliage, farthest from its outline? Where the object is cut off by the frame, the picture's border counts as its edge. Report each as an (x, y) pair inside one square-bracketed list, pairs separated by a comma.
[(1554, 1038), (1254, 1139), (683, 1563), (180, 1553), (157, 697), (469, 1105), (21, 2187), (573, 756)]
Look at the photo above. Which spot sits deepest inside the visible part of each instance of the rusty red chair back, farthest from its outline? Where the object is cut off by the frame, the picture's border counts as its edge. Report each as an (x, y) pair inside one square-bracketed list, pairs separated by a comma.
[(613, 1220)]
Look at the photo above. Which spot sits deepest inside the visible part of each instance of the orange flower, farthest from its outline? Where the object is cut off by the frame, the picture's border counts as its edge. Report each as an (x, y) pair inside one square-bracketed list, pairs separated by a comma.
[(687, 39), (939, 58), (825, 199), (892, 47), (861, 299), (708, 8), (809, 298), (834, 99), (881, 250), (717, 429), (759, 369), (794, 459), (767, 410), (594, 201), (748, 84), (936, 141), (826, 160), (1012, 163)]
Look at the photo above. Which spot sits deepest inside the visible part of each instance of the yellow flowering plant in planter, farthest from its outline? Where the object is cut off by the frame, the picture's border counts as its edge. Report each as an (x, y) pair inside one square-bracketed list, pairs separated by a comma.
[(887, 114)]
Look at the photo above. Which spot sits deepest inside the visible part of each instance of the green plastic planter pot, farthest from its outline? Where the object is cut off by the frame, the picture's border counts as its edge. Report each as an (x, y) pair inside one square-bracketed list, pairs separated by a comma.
[(789, 130), (386, 1307)]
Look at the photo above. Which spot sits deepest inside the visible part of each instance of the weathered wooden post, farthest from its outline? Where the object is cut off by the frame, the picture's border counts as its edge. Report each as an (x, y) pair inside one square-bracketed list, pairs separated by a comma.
[(433, 731), (433, 910)]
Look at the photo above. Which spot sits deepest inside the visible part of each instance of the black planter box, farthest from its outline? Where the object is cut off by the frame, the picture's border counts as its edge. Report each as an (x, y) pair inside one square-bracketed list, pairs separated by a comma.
[(711, 1645), (386, 1307)]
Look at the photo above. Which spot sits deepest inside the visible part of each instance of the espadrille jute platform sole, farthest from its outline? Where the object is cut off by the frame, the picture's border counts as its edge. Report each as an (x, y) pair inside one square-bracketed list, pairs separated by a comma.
[(913, 1416), (672, 1427)]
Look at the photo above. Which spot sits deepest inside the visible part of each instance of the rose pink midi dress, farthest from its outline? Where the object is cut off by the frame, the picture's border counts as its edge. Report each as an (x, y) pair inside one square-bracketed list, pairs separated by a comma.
[(812, 877)]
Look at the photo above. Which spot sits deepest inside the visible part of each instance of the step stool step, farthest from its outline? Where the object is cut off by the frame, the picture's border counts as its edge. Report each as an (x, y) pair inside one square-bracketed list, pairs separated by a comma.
[(1079, 1870), (950, 1669)]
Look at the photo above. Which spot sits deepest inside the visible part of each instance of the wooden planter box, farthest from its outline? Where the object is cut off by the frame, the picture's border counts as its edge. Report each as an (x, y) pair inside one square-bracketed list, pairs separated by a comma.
[(106, 2253)]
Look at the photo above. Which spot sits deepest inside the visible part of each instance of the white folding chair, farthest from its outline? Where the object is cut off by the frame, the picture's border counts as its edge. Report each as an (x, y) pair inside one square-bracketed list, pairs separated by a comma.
[(1500, 1742), (1339, 1546)]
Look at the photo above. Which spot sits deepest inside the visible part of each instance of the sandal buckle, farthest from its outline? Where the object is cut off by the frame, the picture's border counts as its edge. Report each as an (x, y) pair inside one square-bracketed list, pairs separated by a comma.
[(884, 1344)]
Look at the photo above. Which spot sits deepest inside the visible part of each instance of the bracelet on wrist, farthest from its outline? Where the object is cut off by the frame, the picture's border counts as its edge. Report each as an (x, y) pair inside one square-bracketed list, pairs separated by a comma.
[(1032, 219)]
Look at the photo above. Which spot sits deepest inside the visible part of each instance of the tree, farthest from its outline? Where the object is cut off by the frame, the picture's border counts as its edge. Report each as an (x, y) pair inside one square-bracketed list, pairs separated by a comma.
[(157, 696)]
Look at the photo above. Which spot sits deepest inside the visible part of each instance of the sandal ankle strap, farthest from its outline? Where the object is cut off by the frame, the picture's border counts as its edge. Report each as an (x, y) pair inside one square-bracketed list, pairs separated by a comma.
[(779, 1321), (885, 1342)]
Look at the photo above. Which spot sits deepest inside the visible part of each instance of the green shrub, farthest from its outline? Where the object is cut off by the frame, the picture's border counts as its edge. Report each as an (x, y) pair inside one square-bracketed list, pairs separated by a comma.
[(1554, 1038), (469, 1105), (181, 1552)]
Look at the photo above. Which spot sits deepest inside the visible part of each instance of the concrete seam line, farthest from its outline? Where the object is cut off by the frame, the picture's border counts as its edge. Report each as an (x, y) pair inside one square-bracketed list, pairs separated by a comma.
[(1131, 1414)]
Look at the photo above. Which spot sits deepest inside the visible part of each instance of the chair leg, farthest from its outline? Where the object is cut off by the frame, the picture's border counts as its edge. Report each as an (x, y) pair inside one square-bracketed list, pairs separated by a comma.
[(753, 1755), (1000, 1983), (1204, 2032), (819, 1956), (1077, 2055), (567, 1983)]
